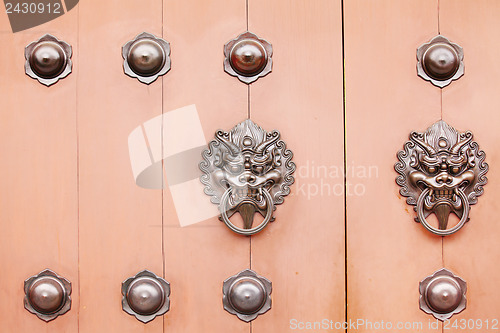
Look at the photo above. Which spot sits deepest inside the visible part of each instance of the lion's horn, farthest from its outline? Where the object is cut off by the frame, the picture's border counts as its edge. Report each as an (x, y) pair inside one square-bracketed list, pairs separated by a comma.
[(233, 149), (263, 146), (427, 147), (456, 148)]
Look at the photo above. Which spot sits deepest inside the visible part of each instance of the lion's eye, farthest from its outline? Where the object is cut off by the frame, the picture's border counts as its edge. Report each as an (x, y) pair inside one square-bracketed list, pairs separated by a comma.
[(235, 168), (258, 169), (431, 169), (455, 169)]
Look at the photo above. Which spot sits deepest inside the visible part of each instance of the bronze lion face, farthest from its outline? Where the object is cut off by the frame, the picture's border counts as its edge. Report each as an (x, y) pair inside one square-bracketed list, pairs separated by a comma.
[(247, 170), (441, 171)]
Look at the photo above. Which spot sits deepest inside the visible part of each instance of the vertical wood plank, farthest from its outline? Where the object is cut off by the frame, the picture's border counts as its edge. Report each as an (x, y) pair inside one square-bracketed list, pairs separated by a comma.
[(302, 252), (388, 253), (38, 202), (198, 258), (119, 221), (472, 103)]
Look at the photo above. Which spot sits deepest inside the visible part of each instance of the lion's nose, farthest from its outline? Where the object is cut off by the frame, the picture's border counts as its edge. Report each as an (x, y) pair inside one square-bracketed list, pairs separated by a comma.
[(444, 178), (247, 178)]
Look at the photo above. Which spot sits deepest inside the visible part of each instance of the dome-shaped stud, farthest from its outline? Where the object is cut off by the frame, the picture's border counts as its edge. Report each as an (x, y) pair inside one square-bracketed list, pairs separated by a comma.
[(442, 294), (145, 296), (247, 295), (48, 60), (440, 61), (146, 57), (248, 57), (47, 295)]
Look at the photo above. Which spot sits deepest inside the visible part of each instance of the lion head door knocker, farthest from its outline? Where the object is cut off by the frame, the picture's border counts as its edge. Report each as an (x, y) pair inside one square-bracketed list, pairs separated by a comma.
[(441, 171), (247, 170)]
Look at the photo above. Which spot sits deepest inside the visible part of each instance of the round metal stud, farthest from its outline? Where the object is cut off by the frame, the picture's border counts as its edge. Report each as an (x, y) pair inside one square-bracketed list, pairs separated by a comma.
[(247, 295), (48, 60), (440, 61), (146, 57), (47, 295), (145, 296), (248, 57), (443, 294)]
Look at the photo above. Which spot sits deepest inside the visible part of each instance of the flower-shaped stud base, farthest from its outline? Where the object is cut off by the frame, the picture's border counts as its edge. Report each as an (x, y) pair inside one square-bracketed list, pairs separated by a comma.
[(48, 60), (247, 295), (146, 57), (47, 295), (248, 57), (442, 294), (145, 296), (440, 61)]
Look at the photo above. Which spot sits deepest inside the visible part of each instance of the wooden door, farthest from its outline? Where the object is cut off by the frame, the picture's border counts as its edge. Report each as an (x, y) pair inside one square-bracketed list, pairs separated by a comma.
[(39, 203), (472, 104), (344, 95), (388, 254)]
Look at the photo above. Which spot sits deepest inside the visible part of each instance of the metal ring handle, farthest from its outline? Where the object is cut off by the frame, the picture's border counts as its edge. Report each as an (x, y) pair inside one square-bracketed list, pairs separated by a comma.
[(447, 232), (246, 232)]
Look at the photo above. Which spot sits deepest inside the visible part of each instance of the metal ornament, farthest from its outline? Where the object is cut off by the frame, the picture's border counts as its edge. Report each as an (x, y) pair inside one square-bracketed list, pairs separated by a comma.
[(146, 57), (441, 171), (440, 61), (247, 295), (247, 170), (248, 57), (442, 294), (145, 296), (48, 60), (47, 295)]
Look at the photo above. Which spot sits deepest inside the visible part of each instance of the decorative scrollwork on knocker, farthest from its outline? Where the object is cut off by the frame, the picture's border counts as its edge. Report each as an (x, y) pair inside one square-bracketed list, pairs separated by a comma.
[(247, 170), (441, 171)]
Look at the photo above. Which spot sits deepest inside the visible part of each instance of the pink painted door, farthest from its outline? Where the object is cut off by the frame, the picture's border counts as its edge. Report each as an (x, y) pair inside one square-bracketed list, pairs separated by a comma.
[(388, 254)]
